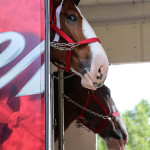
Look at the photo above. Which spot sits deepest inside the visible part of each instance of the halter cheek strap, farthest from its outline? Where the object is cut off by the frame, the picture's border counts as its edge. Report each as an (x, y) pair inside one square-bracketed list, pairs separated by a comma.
[(55, 26), (104, 121)]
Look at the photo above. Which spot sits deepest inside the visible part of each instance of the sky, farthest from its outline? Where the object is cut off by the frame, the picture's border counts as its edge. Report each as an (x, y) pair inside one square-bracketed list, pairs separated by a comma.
[(129, 84)]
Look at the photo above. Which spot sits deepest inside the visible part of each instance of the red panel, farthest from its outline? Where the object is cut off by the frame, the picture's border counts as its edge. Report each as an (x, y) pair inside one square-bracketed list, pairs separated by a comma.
[(21, 117)]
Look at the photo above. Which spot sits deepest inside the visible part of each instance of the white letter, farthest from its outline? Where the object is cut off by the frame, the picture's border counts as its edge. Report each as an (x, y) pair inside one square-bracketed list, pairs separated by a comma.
[(16, 46)]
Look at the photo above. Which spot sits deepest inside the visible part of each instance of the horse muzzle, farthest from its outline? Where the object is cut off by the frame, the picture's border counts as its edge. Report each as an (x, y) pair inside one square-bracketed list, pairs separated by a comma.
[(114, 144), (89, 84), (94, 71), (118, 137), (93, 79)]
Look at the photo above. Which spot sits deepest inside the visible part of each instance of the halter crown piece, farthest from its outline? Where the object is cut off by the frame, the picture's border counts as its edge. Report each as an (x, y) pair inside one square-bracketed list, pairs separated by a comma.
[(106, 118), (55, 26)]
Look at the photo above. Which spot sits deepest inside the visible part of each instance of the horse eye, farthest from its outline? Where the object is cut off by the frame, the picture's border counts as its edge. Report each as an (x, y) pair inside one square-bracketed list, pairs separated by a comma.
[(72, 18)]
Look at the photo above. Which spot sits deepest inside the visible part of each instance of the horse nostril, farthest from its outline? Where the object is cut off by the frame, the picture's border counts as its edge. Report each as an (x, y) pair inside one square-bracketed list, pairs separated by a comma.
[(125, 137), (100, 75)]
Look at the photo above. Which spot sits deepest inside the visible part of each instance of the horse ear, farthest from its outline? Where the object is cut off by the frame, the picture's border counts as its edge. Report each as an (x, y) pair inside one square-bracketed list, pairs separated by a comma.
[(77, 2), (58, 1)]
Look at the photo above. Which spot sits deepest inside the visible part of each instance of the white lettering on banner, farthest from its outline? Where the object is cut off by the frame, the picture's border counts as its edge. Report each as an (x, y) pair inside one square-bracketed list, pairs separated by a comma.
[(22, 65), (16, 46), (35, 85)]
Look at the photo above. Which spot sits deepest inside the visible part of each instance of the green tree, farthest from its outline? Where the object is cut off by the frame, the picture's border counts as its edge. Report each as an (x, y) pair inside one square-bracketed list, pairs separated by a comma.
[(101, 145), (138, 126), (137, 123)]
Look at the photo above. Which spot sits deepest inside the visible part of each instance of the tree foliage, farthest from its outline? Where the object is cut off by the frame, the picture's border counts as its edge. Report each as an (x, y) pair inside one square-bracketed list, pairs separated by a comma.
[(137, 123), (101, 145)]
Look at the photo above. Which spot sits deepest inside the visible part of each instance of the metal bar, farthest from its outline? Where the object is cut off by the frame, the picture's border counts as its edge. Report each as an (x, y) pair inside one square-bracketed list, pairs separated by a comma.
[(61, 111), (48, 100), (52, 109)]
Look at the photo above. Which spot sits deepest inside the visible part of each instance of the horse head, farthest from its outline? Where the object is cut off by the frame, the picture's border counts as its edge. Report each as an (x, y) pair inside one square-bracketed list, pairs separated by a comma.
[(86, 57), (101, 115), (112, 130)]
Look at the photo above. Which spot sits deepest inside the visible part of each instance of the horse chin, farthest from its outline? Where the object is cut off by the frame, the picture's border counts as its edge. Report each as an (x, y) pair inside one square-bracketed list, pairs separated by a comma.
[(114, 144), (87, 82)]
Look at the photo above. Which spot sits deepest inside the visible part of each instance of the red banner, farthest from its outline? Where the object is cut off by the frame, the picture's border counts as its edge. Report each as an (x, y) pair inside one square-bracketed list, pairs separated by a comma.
[(22, 75)]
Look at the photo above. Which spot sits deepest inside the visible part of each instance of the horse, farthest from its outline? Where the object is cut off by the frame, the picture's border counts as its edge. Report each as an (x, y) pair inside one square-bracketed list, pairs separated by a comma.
[(74, 44), (100, 103)]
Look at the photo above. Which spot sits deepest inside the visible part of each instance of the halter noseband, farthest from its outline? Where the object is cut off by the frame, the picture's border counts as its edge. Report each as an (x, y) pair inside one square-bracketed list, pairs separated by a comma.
[(106, 118), (55, 28)]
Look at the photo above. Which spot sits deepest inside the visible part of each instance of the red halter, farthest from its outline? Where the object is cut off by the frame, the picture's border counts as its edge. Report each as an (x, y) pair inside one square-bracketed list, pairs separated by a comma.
[(66, 37), (109, 116)]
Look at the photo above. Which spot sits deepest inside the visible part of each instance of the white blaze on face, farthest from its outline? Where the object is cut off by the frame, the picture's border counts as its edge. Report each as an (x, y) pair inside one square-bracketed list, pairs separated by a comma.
[(99, 58), (58, 10)]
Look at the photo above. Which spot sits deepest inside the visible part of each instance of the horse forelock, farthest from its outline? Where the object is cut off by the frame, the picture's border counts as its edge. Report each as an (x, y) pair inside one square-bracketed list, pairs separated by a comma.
[(76, 2)]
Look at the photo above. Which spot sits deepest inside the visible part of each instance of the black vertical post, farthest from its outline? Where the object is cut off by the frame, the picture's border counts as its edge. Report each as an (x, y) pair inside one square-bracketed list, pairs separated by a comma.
[(61, 111)]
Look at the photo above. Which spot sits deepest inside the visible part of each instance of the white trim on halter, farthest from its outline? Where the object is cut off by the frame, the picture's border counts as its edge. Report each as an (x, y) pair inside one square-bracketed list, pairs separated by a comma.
[(58, 10)]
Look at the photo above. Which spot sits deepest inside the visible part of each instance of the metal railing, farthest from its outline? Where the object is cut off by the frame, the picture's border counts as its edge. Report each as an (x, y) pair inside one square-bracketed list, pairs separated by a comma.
[(49, 92), (49, 115)]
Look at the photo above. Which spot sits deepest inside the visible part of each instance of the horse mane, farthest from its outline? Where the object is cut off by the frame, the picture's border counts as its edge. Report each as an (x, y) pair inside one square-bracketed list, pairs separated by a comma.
[(77, 2)]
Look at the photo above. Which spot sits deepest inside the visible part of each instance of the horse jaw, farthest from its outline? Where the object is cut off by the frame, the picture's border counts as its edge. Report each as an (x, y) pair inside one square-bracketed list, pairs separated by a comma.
[(114, 144), (98, 60)]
